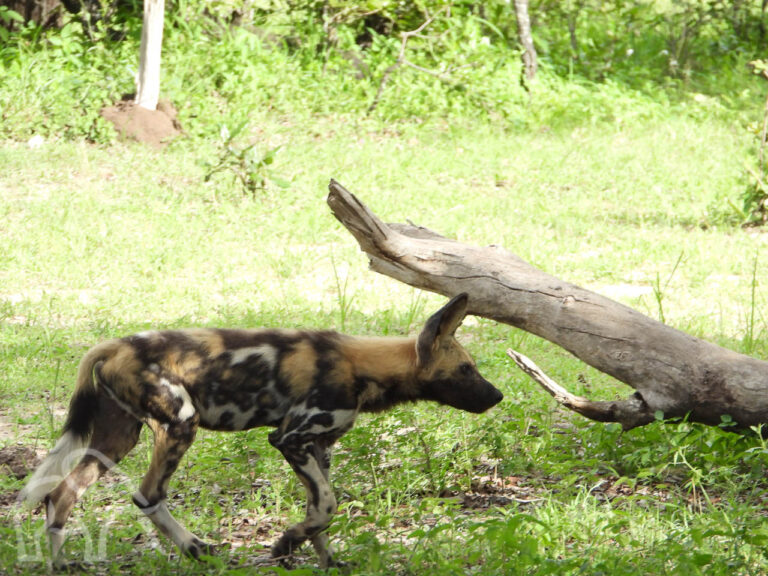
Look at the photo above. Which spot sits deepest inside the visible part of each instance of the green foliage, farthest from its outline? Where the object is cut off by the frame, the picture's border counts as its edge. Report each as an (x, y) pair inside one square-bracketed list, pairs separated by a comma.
[(7, 19), (54, 82), (755, 197), (245, 163), (641, 41), (222, 63)]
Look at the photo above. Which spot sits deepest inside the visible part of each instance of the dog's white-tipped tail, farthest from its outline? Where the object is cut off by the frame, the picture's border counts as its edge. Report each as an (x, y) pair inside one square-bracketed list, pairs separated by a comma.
[(73, 443), (59, 462)]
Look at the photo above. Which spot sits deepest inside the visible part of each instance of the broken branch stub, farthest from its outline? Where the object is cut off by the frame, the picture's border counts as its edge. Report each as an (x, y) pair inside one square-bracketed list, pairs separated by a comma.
[(630, 412), (671, 372)]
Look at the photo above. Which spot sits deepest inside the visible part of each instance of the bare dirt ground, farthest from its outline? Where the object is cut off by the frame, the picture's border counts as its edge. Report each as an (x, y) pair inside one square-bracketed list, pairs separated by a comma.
[(153, 127), (16, 459)]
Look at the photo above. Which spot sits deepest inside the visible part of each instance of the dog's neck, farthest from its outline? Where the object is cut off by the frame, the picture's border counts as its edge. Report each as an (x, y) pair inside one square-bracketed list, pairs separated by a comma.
[(381, 358), (387, 369)]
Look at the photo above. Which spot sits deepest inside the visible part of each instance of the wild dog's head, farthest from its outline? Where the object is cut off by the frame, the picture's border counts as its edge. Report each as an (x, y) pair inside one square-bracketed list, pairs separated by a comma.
[(446, 372)]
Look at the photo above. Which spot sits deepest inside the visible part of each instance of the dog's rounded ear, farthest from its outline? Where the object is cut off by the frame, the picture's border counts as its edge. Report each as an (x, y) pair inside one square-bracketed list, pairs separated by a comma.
[(441, 324)]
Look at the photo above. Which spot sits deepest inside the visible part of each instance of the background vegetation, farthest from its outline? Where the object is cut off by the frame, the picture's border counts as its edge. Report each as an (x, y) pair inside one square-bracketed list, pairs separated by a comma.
[(623, 167)]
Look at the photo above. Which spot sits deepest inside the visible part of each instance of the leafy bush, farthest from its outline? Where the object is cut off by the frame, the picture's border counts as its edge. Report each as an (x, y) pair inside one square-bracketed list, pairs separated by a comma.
[(228, 61), (54, 82), (756, 193)]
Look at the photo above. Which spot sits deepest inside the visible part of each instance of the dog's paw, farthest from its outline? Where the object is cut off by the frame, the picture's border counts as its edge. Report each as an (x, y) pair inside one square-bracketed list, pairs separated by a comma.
[(341, 566), (72, 566), (287, 543), (197, 549)]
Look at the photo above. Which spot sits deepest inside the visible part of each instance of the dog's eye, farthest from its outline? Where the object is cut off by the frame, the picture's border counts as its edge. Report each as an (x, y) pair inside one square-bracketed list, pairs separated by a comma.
[(465, 369)]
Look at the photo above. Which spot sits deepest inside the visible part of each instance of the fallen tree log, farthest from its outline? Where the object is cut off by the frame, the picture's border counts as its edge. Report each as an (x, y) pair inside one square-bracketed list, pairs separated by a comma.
[(672, 373)]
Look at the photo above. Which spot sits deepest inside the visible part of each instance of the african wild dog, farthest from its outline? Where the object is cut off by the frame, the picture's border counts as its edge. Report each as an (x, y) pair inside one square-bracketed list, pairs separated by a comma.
[(310, 386)]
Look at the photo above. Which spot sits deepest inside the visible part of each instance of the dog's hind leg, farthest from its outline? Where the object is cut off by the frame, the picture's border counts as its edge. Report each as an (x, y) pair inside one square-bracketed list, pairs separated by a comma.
[(115, 433), (171, 441)]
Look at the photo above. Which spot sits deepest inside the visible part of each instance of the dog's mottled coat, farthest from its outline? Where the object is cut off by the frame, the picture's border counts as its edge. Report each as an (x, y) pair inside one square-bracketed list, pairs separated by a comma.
[(309, 386)]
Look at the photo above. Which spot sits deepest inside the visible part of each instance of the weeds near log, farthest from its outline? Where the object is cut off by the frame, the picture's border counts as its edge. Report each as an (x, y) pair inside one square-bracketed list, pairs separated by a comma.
[(343, 299), (749, 335), (659, 291)]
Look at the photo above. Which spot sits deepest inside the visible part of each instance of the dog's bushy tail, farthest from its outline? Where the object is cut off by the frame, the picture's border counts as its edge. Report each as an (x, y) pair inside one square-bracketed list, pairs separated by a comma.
[(77, 429)]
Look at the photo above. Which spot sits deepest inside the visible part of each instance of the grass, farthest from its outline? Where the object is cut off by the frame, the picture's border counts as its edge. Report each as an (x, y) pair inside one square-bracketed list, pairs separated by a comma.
[(104, 241)]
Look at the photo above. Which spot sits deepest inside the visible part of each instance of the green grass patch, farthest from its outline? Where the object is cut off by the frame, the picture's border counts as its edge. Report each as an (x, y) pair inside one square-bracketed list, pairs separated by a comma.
[(104, 241), (617, 171)]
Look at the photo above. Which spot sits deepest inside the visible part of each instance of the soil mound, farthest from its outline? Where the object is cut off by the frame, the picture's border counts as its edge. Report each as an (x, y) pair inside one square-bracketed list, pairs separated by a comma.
[(17, 460), (154, 127)]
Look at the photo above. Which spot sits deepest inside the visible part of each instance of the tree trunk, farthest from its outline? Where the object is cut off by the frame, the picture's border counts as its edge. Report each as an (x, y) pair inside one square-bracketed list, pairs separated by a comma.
[(526, 40), (671, 372), (763, 6), (45, 13), (148, 78), (572, 16)]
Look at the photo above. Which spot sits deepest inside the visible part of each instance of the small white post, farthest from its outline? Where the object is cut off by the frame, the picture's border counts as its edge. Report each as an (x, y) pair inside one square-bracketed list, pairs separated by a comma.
[(148, 78)]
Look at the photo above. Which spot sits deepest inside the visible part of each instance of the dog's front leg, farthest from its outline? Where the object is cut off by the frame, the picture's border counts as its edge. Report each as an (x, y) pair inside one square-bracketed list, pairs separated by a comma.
[(305, 438), (321, 503), (322, 450)]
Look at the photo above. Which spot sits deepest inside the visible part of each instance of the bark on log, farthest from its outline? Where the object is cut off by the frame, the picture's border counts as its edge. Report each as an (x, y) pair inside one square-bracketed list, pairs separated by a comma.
[(671, 372)]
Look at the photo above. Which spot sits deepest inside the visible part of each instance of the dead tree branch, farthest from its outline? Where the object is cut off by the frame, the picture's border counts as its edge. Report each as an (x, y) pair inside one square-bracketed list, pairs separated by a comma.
[(671, 372)]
